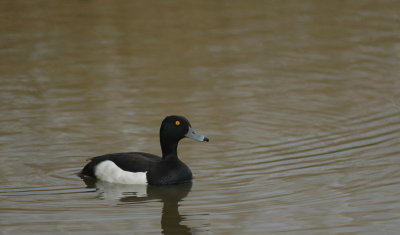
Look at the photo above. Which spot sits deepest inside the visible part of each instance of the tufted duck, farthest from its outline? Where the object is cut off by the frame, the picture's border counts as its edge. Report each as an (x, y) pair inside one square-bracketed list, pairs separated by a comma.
[(146, 168)]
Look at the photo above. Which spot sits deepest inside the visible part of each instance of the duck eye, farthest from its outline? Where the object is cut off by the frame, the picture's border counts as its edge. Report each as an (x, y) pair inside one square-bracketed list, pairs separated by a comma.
[(177, 123)]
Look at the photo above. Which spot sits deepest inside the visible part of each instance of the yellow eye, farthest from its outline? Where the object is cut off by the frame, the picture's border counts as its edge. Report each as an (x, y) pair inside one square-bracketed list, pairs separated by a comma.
[(177, 123)]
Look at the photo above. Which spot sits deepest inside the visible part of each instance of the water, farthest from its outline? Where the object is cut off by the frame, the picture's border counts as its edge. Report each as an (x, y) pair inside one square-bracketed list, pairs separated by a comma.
[(300, 101)]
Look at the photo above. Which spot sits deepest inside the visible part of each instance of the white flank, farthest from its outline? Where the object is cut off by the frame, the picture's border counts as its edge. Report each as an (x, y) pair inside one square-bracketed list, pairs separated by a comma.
[(108, 171)]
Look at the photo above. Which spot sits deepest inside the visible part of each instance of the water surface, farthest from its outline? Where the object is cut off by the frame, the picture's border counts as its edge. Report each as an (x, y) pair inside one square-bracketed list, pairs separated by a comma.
[(300, 101)]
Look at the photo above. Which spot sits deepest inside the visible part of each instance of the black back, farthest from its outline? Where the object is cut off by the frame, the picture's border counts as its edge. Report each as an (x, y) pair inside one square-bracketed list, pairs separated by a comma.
[(133, 161)]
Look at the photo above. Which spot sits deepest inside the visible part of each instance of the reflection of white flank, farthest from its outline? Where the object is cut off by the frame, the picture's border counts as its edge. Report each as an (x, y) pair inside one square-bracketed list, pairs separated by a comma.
[(110, 191), (108, 171)]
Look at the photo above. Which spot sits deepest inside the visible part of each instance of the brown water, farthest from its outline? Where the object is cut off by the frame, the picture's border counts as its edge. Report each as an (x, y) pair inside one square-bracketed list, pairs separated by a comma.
[(300, 99)]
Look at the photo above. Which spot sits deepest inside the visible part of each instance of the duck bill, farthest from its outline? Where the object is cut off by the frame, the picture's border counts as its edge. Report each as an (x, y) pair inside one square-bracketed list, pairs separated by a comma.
[(192, 134)]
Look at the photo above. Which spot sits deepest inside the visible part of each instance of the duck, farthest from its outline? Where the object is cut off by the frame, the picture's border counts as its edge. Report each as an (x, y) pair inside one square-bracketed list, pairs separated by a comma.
[(147, 168)]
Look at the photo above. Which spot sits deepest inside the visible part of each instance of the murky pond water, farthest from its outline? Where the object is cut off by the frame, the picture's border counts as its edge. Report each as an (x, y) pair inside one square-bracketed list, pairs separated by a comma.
[(300, 99)]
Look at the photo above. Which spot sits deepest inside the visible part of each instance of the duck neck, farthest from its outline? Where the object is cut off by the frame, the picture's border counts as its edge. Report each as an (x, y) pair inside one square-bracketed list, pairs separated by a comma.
[(169, 149)]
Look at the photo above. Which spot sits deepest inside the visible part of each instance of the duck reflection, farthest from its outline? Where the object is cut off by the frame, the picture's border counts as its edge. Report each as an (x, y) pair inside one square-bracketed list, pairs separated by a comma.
[(170, 195)]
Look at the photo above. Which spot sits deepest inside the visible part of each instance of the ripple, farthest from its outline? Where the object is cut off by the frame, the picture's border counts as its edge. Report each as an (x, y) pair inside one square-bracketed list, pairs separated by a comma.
[(341, 167), (325, 151), (42, 191)]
